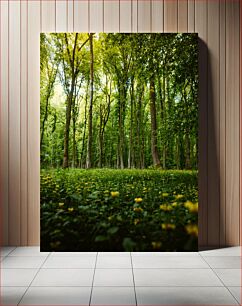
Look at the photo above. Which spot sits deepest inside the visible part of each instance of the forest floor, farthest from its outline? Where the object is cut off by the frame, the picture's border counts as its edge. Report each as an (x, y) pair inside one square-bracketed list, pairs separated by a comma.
[(119, 210)]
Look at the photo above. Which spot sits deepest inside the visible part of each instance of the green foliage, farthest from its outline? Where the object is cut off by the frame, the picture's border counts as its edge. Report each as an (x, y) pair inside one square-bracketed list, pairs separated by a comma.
[(123, 66), (119, 101), (118, 210)]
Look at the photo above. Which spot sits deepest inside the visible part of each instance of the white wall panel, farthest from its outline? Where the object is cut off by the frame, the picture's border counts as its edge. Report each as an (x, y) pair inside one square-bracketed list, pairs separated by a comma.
[(111, 16), (96, 16), (217, 24), (4, 113), (33, 50), (14, 121), (48, 16), (24, 123), (61, 16), (126, 16)]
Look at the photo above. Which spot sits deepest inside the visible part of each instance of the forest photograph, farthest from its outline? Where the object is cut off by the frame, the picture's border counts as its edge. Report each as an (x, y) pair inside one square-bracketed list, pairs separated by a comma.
[(119, 142)]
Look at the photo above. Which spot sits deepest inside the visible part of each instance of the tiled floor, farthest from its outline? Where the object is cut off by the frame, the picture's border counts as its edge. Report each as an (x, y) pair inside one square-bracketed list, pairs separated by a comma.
[(29, 277)]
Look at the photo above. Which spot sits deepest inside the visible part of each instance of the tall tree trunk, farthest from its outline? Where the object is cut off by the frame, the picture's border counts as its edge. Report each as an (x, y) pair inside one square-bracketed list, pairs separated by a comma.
[(154, 150), (164, 119), (187, 133), (74, 142), (122, 135), (187, 150), (43, 122), (160, 97), (100, 161), (120, 159), (74, 74), (170, 142), (177, 152), (81, 163), (67, 127), (142, 151), (141, 129), (51, 83), (139, 124), (89, 141), (131, 145), (104, 116)]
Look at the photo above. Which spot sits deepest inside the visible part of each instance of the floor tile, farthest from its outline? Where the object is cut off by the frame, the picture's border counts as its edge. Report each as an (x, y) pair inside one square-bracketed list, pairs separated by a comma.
[(70, 262), (232, 262), (166, 254), (17, 277), (184, 296), (23, 262), (11, 295), (64, 277), (57, 296), (4, 251), (236, 292), (118, 254), (113, 277), (118, 262), (28, 251), (169, 262), (176, 277), (230, 251), (73, 254), (230, 277), (113, 296)]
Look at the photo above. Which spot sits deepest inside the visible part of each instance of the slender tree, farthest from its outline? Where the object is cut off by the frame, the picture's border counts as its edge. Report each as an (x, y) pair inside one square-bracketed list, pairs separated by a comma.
[(89, 142)]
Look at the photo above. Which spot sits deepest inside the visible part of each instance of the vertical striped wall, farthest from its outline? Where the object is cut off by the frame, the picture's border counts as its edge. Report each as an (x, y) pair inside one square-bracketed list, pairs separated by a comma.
[(217, 23)]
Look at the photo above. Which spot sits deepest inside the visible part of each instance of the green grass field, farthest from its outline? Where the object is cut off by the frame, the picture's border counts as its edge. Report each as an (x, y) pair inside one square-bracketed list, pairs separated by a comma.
[(119, 210)]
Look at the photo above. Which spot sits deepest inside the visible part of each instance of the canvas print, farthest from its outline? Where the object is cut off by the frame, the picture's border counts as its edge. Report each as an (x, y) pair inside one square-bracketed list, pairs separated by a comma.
[(119, 142)]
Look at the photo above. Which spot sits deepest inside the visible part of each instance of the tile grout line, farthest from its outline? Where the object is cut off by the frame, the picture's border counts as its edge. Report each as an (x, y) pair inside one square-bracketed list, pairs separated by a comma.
[(90, 299), (14, 248), (239, 302), (135, 295), (221, 280), (109, 286), (33, 278), (4, 257)]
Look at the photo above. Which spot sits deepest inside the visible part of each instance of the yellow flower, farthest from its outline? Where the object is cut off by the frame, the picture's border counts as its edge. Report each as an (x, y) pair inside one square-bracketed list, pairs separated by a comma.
[(138, 209), (61, 204), (136, 221), (55, 244), (165, 194), (192, 229), (114, 194), (138, 200), (174, 204), (156, 245), (179, 196), (192, 207), (70, 209), (165, 207), (168, 226), (188, 204)]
